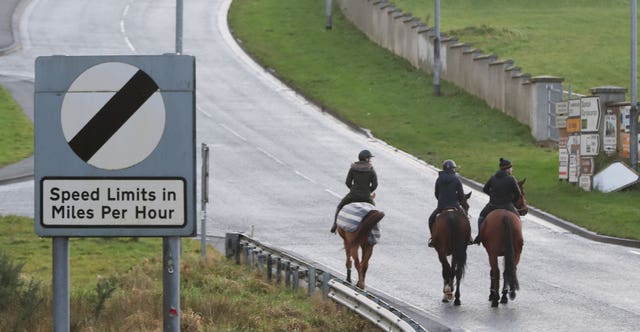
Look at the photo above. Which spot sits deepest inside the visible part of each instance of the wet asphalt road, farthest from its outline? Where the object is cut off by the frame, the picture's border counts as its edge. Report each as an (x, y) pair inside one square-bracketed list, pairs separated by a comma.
[(278, 164)]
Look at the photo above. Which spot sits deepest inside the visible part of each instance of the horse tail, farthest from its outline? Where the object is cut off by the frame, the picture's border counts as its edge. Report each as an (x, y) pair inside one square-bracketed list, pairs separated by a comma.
[(458, 244), (510, 276), (368, 222)]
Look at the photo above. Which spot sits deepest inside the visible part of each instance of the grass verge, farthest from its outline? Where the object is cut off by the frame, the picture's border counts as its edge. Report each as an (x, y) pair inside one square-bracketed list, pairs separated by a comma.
[(544, 37), (341, 70), (16, 131), (117, 286)]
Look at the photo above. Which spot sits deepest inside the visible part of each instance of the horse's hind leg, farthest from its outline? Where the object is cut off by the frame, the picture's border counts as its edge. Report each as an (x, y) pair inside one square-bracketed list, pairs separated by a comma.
[(367, 251), (447, 277), (504, 299), (495, 280), (458, 277), (348, 263)]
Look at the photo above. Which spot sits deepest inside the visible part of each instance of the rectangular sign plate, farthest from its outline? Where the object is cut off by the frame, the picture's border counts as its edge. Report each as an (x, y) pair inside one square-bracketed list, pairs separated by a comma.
[(113, 202)]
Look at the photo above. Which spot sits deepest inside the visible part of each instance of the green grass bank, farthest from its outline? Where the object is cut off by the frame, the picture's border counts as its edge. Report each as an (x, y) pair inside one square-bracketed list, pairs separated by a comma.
[(585, 41), (16, 131), (341, 70), (116, 285)]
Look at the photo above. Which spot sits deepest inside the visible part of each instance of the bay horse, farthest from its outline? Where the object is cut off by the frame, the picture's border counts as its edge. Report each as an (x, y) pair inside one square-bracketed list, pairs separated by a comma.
[(357, 236), (451, 234), (501, 234)]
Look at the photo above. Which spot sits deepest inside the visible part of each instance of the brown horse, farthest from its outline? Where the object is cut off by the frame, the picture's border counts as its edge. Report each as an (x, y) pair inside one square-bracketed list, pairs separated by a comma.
[(360, 239), (501, 234), (451, 233)]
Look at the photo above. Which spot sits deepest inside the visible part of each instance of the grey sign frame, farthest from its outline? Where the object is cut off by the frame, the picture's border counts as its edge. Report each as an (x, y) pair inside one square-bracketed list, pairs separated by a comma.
[(174, 156)]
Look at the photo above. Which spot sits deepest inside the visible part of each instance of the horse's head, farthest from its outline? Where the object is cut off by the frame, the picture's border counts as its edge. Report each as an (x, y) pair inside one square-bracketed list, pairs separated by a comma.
[(465, 202), (521, 203)]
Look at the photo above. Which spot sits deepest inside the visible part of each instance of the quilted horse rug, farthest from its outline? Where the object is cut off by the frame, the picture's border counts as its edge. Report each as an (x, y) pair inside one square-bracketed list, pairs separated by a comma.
[(351, 215)]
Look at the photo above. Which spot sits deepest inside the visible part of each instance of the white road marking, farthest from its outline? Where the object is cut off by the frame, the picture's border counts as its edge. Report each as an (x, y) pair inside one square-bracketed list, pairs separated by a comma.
[(333, 193), (233, 132), (123, 30), (271, 156), (305, 177)]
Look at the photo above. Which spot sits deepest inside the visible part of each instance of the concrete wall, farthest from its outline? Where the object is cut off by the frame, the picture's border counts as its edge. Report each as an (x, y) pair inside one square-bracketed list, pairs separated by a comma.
[(498, 82)]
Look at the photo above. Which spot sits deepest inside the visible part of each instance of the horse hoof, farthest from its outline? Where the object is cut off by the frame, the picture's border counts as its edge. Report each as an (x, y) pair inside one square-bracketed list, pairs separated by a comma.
[(512, 295), (456, 302), (444, 300), (494, 304), (504, 300)]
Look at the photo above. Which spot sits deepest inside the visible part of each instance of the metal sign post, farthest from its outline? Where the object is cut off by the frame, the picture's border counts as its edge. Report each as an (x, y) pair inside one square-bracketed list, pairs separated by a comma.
[(204, 199), (112, 158), (171, 245)]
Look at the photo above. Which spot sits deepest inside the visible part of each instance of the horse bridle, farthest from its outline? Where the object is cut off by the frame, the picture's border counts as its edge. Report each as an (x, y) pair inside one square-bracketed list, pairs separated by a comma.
[(523, 209)]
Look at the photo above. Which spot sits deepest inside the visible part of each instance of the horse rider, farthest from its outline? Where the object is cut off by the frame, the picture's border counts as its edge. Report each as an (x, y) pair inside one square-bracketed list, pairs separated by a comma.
[(362, 181), (503, 191), (448, 191)]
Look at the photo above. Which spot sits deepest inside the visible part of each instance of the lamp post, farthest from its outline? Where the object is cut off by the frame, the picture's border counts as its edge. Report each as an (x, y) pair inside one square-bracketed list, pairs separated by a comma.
[(633, 125), (436, 51)]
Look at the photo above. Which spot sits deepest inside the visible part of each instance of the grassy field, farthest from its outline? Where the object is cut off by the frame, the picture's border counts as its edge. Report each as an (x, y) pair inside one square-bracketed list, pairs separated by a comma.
[(16, 131), (367, 85), (585, 41), (116, 285)]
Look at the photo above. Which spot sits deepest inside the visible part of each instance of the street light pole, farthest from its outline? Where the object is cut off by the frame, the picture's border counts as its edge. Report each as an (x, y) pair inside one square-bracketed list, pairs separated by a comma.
[(436, 51), (633, 117)]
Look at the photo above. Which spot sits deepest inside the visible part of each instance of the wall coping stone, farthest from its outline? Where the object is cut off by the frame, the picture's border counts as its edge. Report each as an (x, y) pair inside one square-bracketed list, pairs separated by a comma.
[(608, 89), (620, 103), (471, 50), (547, 79), (459, 45), (400, 14), (424, 29), (501, 62), (512, 68), (485, 57)]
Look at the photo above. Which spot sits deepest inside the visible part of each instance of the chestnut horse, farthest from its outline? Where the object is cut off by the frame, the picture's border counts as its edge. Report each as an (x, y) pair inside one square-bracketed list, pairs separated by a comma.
[(361, 237), (451, 234), (501, 234)]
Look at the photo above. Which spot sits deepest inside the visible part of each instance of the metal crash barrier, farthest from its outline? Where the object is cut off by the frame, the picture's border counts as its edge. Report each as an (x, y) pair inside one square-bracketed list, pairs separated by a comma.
[(294, 272)]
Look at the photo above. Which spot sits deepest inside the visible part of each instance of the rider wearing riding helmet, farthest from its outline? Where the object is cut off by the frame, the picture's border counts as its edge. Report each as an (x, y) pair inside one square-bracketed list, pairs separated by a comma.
[(362, 181), (448, 191), (503, 191)]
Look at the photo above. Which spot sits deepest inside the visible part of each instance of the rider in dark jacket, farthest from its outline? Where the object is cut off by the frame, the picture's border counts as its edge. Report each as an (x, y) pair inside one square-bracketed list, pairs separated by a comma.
[(448, 191), (503, 191), (361, 180)]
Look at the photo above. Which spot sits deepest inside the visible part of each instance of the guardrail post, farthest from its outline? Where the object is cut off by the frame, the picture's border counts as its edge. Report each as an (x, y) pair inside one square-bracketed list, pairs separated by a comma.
[(296, 275), (287, 273), (325, 284), (311, 287), (250, 257), (260, 264), (278, 270), (232, 242), (269, 267), (245, 254)]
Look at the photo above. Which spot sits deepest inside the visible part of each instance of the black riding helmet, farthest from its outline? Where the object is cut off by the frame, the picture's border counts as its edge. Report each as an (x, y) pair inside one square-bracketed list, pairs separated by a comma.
[(364, 155), (449, 165)]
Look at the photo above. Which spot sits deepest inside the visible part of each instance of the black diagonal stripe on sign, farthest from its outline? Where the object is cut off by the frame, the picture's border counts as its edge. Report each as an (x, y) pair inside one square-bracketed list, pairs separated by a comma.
[(113, 115)]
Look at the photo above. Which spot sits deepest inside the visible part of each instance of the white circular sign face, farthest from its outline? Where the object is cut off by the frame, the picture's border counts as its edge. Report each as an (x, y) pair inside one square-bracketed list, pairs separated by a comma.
[(113, 115)]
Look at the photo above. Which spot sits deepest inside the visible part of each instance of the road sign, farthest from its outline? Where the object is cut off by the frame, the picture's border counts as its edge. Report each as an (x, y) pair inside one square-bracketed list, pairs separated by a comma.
[(107, 107), (115, 145)]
